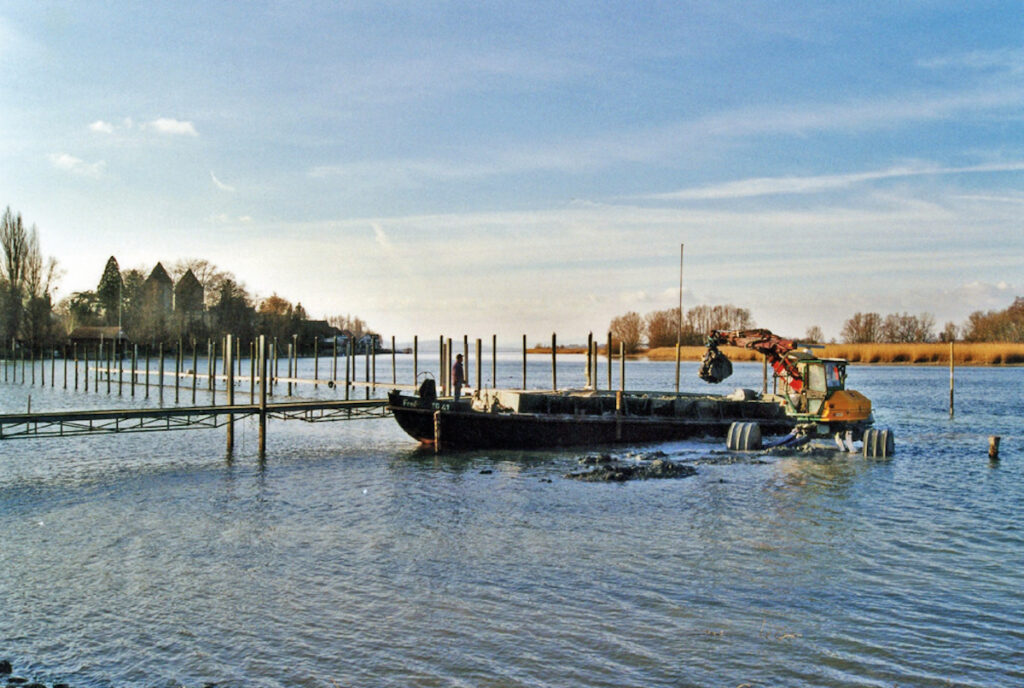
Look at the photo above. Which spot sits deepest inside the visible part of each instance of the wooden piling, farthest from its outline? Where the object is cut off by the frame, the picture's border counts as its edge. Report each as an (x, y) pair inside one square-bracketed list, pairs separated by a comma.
[(263, 397), (135, 357), (622, 366), (149, 355), (437, 431), (465, 357), (479, 370), (160, 380), (590, 360), (951, 380), (348, 366), (993, 447), (110, 363), (608, 351), (415, 360), (273, 368), (524, 361), (120, 371), (53, 362), (441, 376), (316, 361), (195, 369), (554, 362), (366, 363), (334, 361), (291, 351), (178, 363), (494, 361), (86, 348), (252, 371), (230, 369), (394, 370)]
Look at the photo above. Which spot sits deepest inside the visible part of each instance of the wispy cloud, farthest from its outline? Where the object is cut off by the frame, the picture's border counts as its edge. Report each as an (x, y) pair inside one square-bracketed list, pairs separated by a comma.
[(380, 237), (219, 184), (177, 127), (1001, 59), (771, 186), (69, 163)]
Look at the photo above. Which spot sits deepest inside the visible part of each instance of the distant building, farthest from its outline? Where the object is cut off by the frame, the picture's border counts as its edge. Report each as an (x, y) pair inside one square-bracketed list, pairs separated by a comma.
[(158, 290), (189, 297), (94, 334)]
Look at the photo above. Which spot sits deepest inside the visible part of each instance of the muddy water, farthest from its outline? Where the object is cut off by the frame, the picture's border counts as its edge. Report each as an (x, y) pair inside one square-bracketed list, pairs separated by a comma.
[(352, 558)]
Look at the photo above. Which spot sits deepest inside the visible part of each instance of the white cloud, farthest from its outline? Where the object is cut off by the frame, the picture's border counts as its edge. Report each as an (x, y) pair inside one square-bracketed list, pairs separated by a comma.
[(219, 184), (101, 127), (380, 237), (769, 186), (69, 163), (177, 127)]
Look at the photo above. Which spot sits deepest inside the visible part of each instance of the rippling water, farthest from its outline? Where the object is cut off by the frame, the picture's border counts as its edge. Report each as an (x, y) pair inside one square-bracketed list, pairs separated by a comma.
[(352, 558)]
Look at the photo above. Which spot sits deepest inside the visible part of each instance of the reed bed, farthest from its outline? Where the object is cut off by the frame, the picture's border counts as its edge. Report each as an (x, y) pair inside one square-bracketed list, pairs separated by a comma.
[(964, 353)]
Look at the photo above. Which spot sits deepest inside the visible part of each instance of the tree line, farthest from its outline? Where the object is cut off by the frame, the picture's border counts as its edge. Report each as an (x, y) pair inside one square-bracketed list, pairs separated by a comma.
[(192, 301), (661, 328)]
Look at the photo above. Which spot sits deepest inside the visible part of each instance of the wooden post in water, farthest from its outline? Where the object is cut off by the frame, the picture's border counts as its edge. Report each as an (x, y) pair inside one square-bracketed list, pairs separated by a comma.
[(608, 351), (494, 361), (951, 381), (263, 397), (441, 377), (252, 371), (53, 363), (135, 360), (465, 357), (479, 372), (273, 367), (554, 362), (590, 360), (373, 365), (993, 447), (334, 362), (96, 373), (86, 349), (195, 369), (622, 366), (230, 369), (415, 360), (160, 380), (394, 370), (524, 361), (316, 361), (110, 363), (291, 351), (120, 371), (74, 350), (149, 355), (178, 365), (348, 365)]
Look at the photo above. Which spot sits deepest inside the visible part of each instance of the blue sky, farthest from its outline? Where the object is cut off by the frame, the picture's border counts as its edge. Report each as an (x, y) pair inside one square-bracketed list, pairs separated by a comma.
[(530, 167)]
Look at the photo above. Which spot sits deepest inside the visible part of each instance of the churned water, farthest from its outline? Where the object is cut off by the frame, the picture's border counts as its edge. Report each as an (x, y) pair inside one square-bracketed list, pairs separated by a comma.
[(352, 558)]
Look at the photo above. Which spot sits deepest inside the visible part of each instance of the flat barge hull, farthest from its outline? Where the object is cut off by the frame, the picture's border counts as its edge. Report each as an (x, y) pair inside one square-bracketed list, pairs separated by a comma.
[(588, 422)]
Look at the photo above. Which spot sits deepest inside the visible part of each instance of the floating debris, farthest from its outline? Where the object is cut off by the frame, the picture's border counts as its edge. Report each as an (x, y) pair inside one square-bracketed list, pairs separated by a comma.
[(608, 469)]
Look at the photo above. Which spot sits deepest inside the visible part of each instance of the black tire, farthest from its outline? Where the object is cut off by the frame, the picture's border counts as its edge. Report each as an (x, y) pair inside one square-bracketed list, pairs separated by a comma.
[(879, 444)]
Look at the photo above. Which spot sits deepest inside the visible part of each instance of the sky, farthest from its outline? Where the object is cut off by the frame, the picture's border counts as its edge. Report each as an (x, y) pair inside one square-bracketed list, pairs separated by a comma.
[(520, 168)]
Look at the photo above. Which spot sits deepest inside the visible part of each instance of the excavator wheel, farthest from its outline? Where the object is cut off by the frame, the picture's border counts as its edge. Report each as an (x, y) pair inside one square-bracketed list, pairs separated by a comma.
[(878, 444), (743, 436)]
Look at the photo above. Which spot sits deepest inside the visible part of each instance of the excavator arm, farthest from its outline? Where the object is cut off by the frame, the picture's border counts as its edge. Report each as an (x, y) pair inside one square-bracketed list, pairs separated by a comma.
[(715, 366)]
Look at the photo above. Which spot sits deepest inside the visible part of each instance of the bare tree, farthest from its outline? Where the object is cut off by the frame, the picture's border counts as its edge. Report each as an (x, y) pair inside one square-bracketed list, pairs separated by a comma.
[(814, 335), (629, 330), (862, 328)]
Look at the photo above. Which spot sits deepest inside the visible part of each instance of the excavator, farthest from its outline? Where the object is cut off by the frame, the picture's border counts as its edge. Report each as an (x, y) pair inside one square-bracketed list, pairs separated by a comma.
[(812, 390)]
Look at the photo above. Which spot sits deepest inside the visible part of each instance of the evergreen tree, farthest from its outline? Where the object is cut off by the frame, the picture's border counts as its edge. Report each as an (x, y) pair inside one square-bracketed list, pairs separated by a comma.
[(110, 292)]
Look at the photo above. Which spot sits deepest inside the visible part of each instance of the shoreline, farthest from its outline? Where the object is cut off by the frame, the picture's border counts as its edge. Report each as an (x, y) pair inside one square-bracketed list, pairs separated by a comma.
[(979, 354)]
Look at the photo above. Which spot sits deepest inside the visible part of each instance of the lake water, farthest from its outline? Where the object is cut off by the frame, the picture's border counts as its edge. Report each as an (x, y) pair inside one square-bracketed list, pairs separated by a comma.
[(350, 557)]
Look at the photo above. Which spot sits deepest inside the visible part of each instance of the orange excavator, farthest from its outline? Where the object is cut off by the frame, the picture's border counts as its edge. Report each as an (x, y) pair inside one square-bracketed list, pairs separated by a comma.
[(812, 390)]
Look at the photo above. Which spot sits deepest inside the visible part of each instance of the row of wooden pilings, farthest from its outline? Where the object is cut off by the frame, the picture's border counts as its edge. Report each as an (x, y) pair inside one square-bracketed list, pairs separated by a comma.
[(108, 361)]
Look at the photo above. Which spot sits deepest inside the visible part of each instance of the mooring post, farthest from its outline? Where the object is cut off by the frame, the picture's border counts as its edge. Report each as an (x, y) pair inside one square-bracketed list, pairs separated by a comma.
[(348, 365), (465, 355), (524, 361), (440, 365), (135, 358), (679, 362), (437, 432), (608, 352), (96, 373), (554, 362), (993, 447), (291, 348), (316, 361), (590, 359), (110, 363), (334, 361), (494, 361), (415, 360), (74, 352), (86, 348), (149, 355), (195, 368), (622, 366), (252, 371), (366, 365), (479, 371), (120, 371), (263, 397), (951, 378), (618, 415), (230, 368), (209, 364), (178, 365), (394, 362), (373, 365), (450, 358), (160, 379), (53, 365)]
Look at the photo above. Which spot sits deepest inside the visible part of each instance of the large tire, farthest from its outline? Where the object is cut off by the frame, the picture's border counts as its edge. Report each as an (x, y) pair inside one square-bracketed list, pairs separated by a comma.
[(743, 437), (879, 444)]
